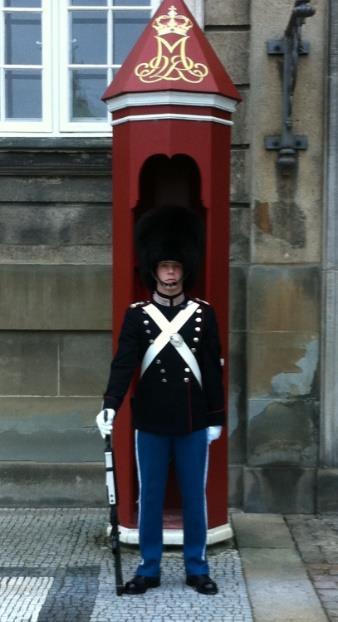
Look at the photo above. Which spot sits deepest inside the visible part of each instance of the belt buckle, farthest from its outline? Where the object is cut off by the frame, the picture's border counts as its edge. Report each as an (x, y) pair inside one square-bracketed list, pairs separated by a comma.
[(176, 340)]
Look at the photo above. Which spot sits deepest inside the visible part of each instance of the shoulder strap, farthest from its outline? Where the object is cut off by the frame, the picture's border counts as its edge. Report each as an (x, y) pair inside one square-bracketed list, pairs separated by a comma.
[(170, 329)]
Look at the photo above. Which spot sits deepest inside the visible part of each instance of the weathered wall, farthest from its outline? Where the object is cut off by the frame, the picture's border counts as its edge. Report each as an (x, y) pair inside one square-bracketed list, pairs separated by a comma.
[(55, 302), (55, 317), (228, 30), (328, 473), (284, 276)]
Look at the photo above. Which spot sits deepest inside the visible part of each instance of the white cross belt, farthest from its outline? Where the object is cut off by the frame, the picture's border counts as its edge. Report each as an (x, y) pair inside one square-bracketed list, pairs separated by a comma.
[(171, 335)]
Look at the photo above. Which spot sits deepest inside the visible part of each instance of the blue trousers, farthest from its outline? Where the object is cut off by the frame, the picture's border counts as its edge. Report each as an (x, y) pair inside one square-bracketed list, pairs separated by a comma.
[(190, 455)]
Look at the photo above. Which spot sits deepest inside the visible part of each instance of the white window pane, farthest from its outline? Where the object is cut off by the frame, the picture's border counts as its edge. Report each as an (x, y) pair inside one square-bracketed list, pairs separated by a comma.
[(35, 4), (23, 39), (23, 94), (88, 86), (89, 37), (128, 26), (88, 2)]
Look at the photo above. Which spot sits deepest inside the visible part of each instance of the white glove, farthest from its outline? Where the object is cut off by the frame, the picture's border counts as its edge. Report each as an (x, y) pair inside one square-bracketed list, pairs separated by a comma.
[(214, 432), (105, 426)]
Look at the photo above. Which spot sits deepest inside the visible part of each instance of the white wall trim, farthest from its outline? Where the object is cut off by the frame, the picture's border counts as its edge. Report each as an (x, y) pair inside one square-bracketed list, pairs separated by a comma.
[(171, 117), (173, 98)]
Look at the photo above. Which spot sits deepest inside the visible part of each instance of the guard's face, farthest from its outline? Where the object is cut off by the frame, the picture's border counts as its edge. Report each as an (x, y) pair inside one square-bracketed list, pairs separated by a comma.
[(169, 276)]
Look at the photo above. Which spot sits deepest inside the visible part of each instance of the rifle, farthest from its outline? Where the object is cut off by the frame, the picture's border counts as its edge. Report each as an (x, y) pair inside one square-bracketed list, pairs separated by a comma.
[(111, 486)]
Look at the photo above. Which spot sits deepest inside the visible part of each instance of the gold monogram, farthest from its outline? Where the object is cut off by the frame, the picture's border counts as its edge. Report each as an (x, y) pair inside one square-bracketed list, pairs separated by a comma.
[(171, 61)]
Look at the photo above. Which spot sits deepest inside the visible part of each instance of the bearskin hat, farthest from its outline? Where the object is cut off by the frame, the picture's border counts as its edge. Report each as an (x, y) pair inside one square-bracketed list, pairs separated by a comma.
[(169, 233)]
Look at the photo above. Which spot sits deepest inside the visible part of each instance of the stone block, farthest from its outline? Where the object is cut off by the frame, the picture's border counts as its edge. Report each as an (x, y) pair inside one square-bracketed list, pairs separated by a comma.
[(240, 235), (327, 486), (284, 490), (230, 13), (238, 276), (84, 363), (55, 297), (28, 484), (239, 181), (283, 365), (284, 299), (240, 128), (50, 429), (232, 48), (286, 210), (28, 363), (56, 225), (279, 587), (282, 432), (87, 189), (80, 254), (237, 398), (235, 490), (31, 159), (268, 531)]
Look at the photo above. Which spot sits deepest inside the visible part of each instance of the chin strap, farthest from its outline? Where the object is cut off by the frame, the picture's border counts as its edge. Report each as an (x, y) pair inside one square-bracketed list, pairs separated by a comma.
[(169, 286), (171, 335)]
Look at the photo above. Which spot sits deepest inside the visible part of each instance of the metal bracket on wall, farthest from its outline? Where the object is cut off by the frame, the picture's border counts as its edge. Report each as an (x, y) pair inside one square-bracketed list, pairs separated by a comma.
[(290, 47)]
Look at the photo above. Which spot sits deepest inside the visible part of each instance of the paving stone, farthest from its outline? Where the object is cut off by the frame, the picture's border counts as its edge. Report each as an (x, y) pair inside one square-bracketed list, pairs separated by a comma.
[(61, 560), (317, 536)]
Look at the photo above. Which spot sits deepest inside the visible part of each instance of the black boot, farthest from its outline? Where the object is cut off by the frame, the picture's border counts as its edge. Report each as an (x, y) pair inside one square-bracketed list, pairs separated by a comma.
[(202, 583), (140, 584)]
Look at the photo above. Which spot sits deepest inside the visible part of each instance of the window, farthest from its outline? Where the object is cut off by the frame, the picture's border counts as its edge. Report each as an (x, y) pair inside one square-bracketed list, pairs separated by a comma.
[(56, 58)]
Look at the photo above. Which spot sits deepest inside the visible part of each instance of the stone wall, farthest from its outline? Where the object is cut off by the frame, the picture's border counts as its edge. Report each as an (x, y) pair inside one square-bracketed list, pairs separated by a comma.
[(55, 317), (55, 281), (275, 261), (327, 499), (227, 25), (283, 303)]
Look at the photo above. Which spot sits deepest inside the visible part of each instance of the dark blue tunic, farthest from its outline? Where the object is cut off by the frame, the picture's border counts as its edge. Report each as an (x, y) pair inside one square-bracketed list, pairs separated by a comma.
[(168, 399)]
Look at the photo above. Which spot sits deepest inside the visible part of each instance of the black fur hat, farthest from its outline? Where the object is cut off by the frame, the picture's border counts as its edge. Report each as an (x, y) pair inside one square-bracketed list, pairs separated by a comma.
[(169, 233)]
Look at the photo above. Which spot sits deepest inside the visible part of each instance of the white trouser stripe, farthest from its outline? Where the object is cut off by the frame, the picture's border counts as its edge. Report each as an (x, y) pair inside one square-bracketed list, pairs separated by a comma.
[(206, 468), (139, 485)]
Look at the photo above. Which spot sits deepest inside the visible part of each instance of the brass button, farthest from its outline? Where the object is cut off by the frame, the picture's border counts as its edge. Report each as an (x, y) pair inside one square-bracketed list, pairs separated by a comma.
[(197, 329), (198, 319), (195, 339), (163, 380), (186, 380)]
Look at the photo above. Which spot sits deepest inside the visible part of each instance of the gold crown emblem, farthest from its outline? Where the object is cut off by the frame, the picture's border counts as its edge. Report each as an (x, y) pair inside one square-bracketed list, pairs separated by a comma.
[(172, 23)]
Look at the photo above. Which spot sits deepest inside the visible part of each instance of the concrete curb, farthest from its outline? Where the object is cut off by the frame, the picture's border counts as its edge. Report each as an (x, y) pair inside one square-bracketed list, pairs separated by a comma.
[(278, 585)]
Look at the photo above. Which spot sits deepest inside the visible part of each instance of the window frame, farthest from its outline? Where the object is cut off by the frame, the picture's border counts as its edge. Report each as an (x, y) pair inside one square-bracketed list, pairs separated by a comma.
[(15, 127), (84, 127), (55, 65)]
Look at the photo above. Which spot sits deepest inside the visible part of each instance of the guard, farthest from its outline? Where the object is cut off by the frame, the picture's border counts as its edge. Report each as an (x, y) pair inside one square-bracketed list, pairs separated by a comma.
[(178, 405)]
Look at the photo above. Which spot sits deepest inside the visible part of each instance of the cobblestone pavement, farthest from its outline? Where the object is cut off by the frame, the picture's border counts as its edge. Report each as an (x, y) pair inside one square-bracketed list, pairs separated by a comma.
[(316, 538), (56, 566)]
